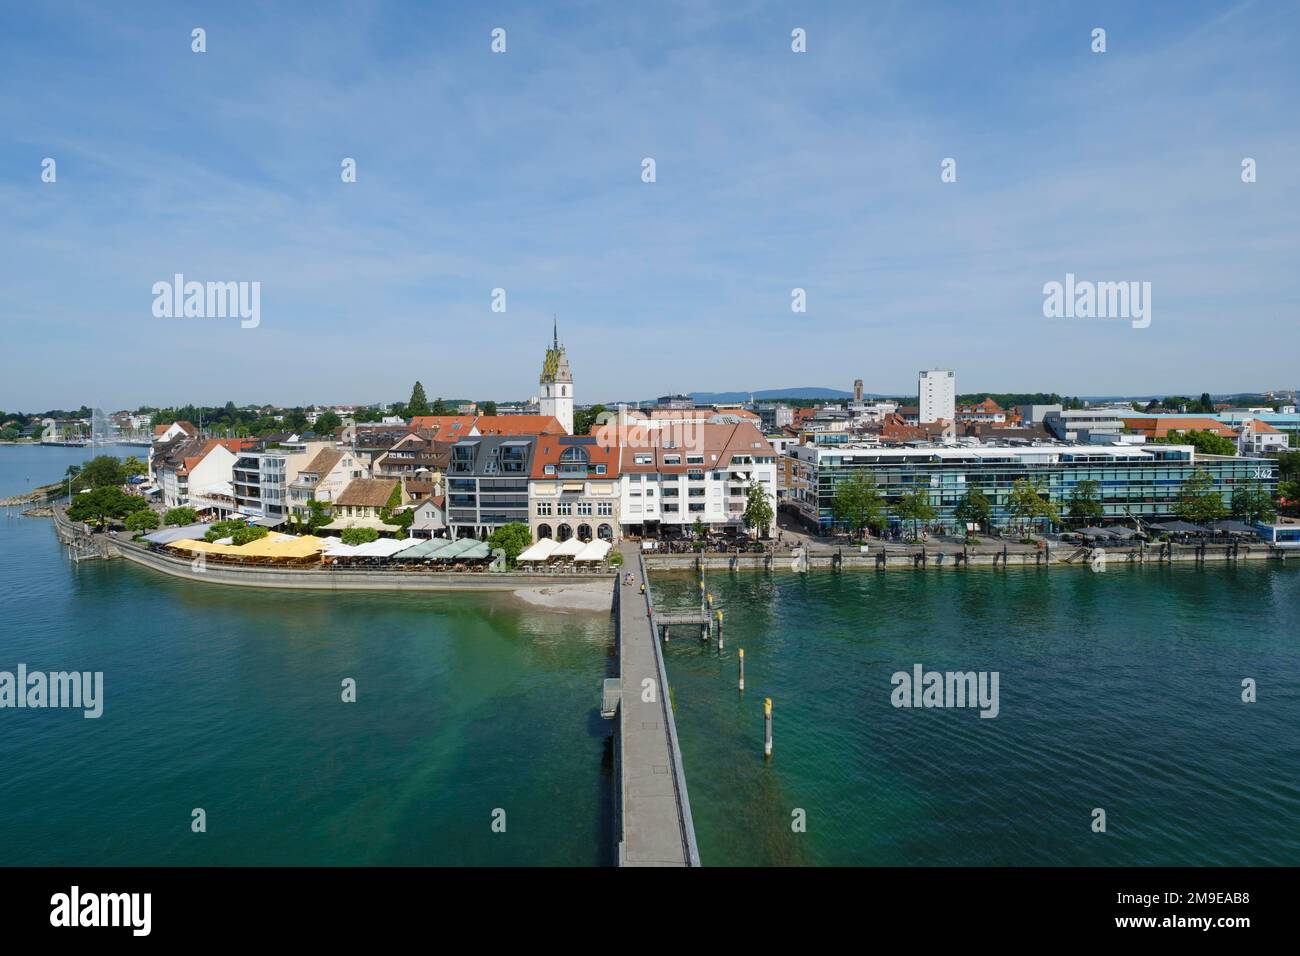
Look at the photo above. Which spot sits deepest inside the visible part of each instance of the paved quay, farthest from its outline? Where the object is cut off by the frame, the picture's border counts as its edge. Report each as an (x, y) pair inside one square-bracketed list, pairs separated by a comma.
[(657, 829)]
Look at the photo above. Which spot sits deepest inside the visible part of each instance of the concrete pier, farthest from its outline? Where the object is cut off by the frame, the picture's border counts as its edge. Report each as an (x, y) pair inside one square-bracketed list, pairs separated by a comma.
[(655, 826)]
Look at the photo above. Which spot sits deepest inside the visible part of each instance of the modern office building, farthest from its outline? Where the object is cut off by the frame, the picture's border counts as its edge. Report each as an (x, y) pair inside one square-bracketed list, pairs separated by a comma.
[(937, 396), (1136, 481), (487, 483)]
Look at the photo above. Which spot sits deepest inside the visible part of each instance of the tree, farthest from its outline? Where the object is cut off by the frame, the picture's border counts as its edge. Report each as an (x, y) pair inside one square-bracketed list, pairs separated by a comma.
[(1198, 500), (176, 517), (132, 466), (1028, 502), (355, 536), (758, 510), (1251, 503), (1288, 465), (102, 503), (439, 408), (223, 529), (1288, 491), (915, 506), (858, 504), (1206, 404), (585, 418), (975, 508), (489, 408), (1205, 442), (318, 516), (142, 520), (511, 538), (327, 421), (247, 533), (419, 403), (698, 529), (100, 472), (1085, 502)]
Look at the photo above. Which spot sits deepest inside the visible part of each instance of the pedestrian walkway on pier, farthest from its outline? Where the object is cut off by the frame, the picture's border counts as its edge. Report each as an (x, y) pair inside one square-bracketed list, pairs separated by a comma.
[(657, 829)]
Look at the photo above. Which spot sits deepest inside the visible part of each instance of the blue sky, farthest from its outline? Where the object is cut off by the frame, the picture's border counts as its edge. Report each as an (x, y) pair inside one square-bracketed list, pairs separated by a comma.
[(775, 170)]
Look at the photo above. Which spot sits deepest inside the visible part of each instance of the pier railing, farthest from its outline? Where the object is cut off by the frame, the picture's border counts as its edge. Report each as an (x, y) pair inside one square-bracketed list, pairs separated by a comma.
[(678, 772)]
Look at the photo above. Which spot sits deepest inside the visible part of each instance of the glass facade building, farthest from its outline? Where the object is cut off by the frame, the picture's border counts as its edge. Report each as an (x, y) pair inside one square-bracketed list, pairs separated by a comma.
[(1135, 481)]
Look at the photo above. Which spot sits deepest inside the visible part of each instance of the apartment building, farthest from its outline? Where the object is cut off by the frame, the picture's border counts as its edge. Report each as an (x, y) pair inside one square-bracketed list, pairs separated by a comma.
[(261, 479), (668, 484), (324, 478)]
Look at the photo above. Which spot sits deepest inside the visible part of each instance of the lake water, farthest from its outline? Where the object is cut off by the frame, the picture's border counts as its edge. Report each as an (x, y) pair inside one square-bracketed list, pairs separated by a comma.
[(1119, 691)]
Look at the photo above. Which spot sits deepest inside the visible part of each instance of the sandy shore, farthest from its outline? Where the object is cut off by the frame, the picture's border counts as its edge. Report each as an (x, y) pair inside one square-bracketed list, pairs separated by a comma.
[(590, 596)]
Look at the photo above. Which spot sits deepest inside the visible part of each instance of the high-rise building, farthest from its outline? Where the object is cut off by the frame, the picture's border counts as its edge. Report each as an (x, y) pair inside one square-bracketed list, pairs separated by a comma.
[(557, 384), (937, 396), (857, 390)]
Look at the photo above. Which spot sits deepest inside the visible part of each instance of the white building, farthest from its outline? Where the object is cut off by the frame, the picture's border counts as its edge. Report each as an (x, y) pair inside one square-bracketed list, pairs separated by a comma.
[(557, 385), (1260, 438), (937, 396), (667, 484)]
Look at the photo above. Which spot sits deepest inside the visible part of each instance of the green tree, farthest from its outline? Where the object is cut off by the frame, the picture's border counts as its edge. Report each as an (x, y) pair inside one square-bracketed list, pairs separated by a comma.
[(132, 466), (419, 403), (1252, 503), (326, 422), (176, 517), (1288, 491), (223, 529), (439, 408), (355, 536), (247, 533), (1198, 500), (99, 505), (915, 506), (511, 538), (585, 418), (758, 510), (489, 408), (1028, 503), (1205, 442), (100, 472), (858, 503), (1084, 505), (1288, 465), (699, 530), (318, 516), (142, 520), (975, 508)]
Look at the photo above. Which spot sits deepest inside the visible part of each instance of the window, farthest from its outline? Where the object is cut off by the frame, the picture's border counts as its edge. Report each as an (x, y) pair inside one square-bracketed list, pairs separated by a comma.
[(543, 509), (584, 508), (604, 508), (564, 508)]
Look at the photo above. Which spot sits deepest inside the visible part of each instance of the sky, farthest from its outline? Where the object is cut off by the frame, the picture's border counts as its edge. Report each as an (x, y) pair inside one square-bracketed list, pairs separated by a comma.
[(523, 171)]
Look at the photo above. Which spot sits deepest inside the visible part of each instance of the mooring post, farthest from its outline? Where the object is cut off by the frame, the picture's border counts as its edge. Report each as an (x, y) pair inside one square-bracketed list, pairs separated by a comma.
[(719, 630), (742, 668), (767, 722)]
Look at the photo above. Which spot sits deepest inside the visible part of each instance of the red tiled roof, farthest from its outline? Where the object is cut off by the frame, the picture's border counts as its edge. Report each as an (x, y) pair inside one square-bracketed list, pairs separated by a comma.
[(519, 425)]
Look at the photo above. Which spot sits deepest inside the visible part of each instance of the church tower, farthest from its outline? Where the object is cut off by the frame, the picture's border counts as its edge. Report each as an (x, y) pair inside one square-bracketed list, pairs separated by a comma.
[(557, 384)]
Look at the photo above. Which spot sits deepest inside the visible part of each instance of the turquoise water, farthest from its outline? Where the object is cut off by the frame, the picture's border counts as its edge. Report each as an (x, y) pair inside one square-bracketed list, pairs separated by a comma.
[(1119, 691), (229, 700)]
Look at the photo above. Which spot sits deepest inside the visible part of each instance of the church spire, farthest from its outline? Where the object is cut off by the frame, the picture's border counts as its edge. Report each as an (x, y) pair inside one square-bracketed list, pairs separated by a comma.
[(555, 332)]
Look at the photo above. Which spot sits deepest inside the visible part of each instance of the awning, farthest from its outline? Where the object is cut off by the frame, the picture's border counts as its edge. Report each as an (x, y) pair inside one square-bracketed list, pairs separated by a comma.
[(169, 535), (268, 522), (540, 551), (594, 551), (425, 549), (568, 549)]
